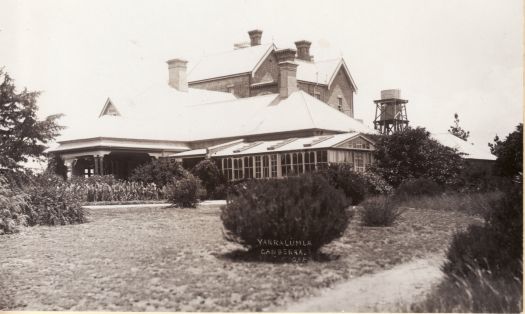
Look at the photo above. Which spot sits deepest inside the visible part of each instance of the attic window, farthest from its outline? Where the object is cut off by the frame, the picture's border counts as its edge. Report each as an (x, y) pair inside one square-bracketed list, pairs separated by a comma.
[(340, 103), (110, 110)]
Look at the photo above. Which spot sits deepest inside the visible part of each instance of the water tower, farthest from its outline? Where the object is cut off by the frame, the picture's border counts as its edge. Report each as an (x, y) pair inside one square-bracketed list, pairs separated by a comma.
[(391, 112)]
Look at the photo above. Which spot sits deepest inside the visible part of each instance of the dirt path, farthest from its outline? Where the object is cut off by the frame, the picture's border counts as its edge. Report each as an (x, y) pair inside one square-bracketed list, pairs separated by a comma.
[(379, 292)]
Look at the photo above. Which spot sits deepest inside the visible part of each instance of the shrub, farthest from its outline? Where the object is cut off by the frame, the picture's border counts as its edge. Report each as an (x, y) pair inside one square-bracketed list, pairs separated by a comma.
[(482, 292), (159, 171), (343, 177), (355, 185), (379, 211), (411, 154), (108, 189), (184, 192), (417, 188), (303, 208), (495, 246), (13, 207), (510, 153), (210, 176), (50, 203)]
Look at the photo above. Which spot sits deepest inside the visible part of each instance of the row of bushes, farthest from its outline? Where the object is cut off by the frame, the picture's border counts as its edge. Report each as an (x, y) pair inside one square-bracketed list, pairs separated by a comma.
[(43, 200)]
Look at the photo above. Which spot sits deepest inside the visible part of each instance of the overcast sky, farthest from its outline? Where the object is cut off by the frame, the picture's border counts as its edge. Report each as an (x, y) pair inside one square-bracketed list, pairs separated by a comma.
[(445, 56)]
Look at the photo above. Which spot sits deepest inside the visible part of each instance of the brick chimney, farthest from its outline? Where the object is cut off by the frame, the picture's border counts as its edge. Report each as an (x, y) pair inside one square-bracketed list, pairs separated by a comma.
[(177, 74), (287, 72), (303, 50), (255, 37)]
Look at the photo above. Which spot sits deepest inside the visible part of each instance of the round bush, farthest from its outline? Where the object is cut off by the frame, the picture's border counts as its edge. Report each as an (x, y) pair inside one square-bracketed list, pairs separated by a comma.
[(185, 191), (159, 171), (379, 211), (304, 208)]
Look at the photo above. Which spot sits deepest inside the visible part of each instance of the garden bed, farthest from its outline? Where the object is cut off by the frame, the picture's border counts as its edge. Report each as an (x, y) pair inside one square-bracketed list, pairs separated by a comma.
[(169, 259)]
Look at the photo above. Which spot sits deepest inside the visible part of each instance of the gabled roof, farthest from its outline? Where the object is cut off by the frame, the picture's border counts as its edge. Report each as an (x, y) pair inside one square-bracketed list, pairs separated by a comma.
[(322, 72), (248, 60), (471, 150), (229, 63)]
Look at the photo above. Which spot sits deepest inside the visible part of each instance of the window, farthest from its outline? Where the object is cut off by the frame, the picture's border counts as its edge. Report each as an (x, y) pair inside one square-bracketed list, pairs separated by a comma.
[(273, 159), (248, 167), (230, 89), (227, 168), (340, 103), (318, 96), (359, 162), (286, 165), (237, 169), (89, 172), (322, 159), (297, 162), (309, 161), (266, 166), (258, 167)]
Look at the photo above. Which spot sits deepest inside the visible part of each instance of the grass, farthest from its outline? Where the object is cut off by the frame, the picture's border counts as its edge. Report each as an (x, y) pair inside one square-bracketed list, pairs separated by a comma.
[(168, 259), (474, 203)]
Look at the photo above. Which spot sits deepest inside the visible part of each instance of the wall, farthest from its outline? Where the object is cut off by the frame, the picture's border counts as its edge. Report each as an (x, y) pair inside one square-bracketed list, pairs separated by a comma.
[(341, 86), (241, 85)]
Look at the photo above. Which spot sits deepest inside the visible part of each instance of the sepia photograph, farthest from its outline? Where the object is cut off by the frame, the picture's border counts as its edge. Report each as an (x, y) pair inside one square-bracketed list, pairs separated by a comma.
[(261, 156)]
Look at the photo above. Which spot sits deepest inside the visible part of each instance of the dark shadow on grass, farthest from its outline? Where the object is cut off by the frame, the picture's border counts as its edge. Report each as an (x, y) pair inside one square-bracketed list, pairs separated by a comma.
[(255, 256)]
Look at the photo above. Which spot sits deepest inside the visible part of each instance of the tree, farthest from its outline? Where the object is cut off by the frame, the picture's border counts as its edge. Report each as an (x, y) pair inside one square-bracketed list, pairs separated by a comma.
[(509, 153), (412, 154), (22, 135), (210, 175), (458, 131)]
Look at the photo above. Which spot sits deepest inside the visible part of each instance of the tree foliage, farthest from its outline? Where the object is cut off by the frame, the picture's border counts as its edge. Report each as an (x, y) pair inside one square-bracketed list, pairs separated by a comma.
[(509, 153), (22, 134), (457, 130), (159, 171), (412, 154)]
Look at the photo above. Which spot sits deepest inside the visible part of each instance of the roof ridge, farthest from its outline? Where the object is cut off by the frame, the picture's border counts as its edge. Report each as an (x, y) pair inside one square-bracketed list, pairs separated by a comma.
[(308, 108)]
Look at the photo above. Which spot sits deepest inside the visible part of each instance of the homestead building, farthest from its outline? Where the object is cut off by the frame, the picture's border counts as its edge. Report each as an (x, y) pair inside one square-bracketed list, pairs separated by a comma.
[(257, 111)]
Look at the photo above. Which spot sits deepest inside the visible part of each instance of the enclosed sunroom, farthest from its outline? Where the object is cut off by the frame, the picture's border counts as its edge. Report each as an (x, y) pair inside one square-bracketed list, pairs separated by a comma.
[(292, 156)]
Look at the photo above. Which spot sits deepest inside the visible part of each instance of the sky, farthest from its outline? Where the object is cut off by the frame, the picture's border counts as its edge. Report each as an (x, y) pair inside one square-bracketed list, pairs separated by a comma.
[(453, 56)]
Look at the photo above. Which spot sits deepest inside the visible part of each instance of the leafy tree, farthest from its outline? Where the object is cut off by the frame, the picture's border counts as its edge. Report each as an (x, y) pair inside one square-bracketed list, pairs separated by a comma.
[(22, 135), (457, 130), (509, 153), (412, 154), (210, 175)]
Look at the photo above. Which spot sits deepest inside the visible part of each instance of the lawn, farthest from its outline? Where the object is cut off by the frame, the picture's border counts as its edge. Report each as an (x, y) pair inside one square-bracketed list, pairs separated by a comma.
[(169, 259)]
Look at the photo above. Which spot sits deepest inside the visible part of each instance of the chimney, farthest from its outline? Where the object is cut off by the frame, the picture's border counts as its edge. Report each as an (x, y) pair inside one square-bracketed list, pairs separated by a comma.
[(303, 50), (255, 37), (287, 72), (177, 74)]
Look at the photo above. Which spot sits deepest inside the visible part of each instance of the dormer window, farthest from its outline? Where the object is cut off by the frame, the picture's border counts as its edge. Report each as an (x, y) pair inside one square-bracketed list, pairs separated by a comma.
[(340, 103)]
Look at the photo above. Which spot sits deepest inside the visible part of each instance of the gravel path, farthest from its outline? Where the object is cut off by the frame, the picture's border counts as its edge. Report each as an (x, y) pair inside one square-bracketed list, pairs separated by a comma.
[(380, 292)]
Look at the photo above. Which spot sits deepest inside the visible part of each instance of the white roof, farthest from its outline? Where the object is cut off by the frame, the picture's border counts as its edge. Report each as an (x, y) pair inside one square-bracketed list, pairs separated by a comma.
[(165, 118), (263, 115), (260, 147), (471, 150), (229, 63), (140, 114), (193, 152)]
